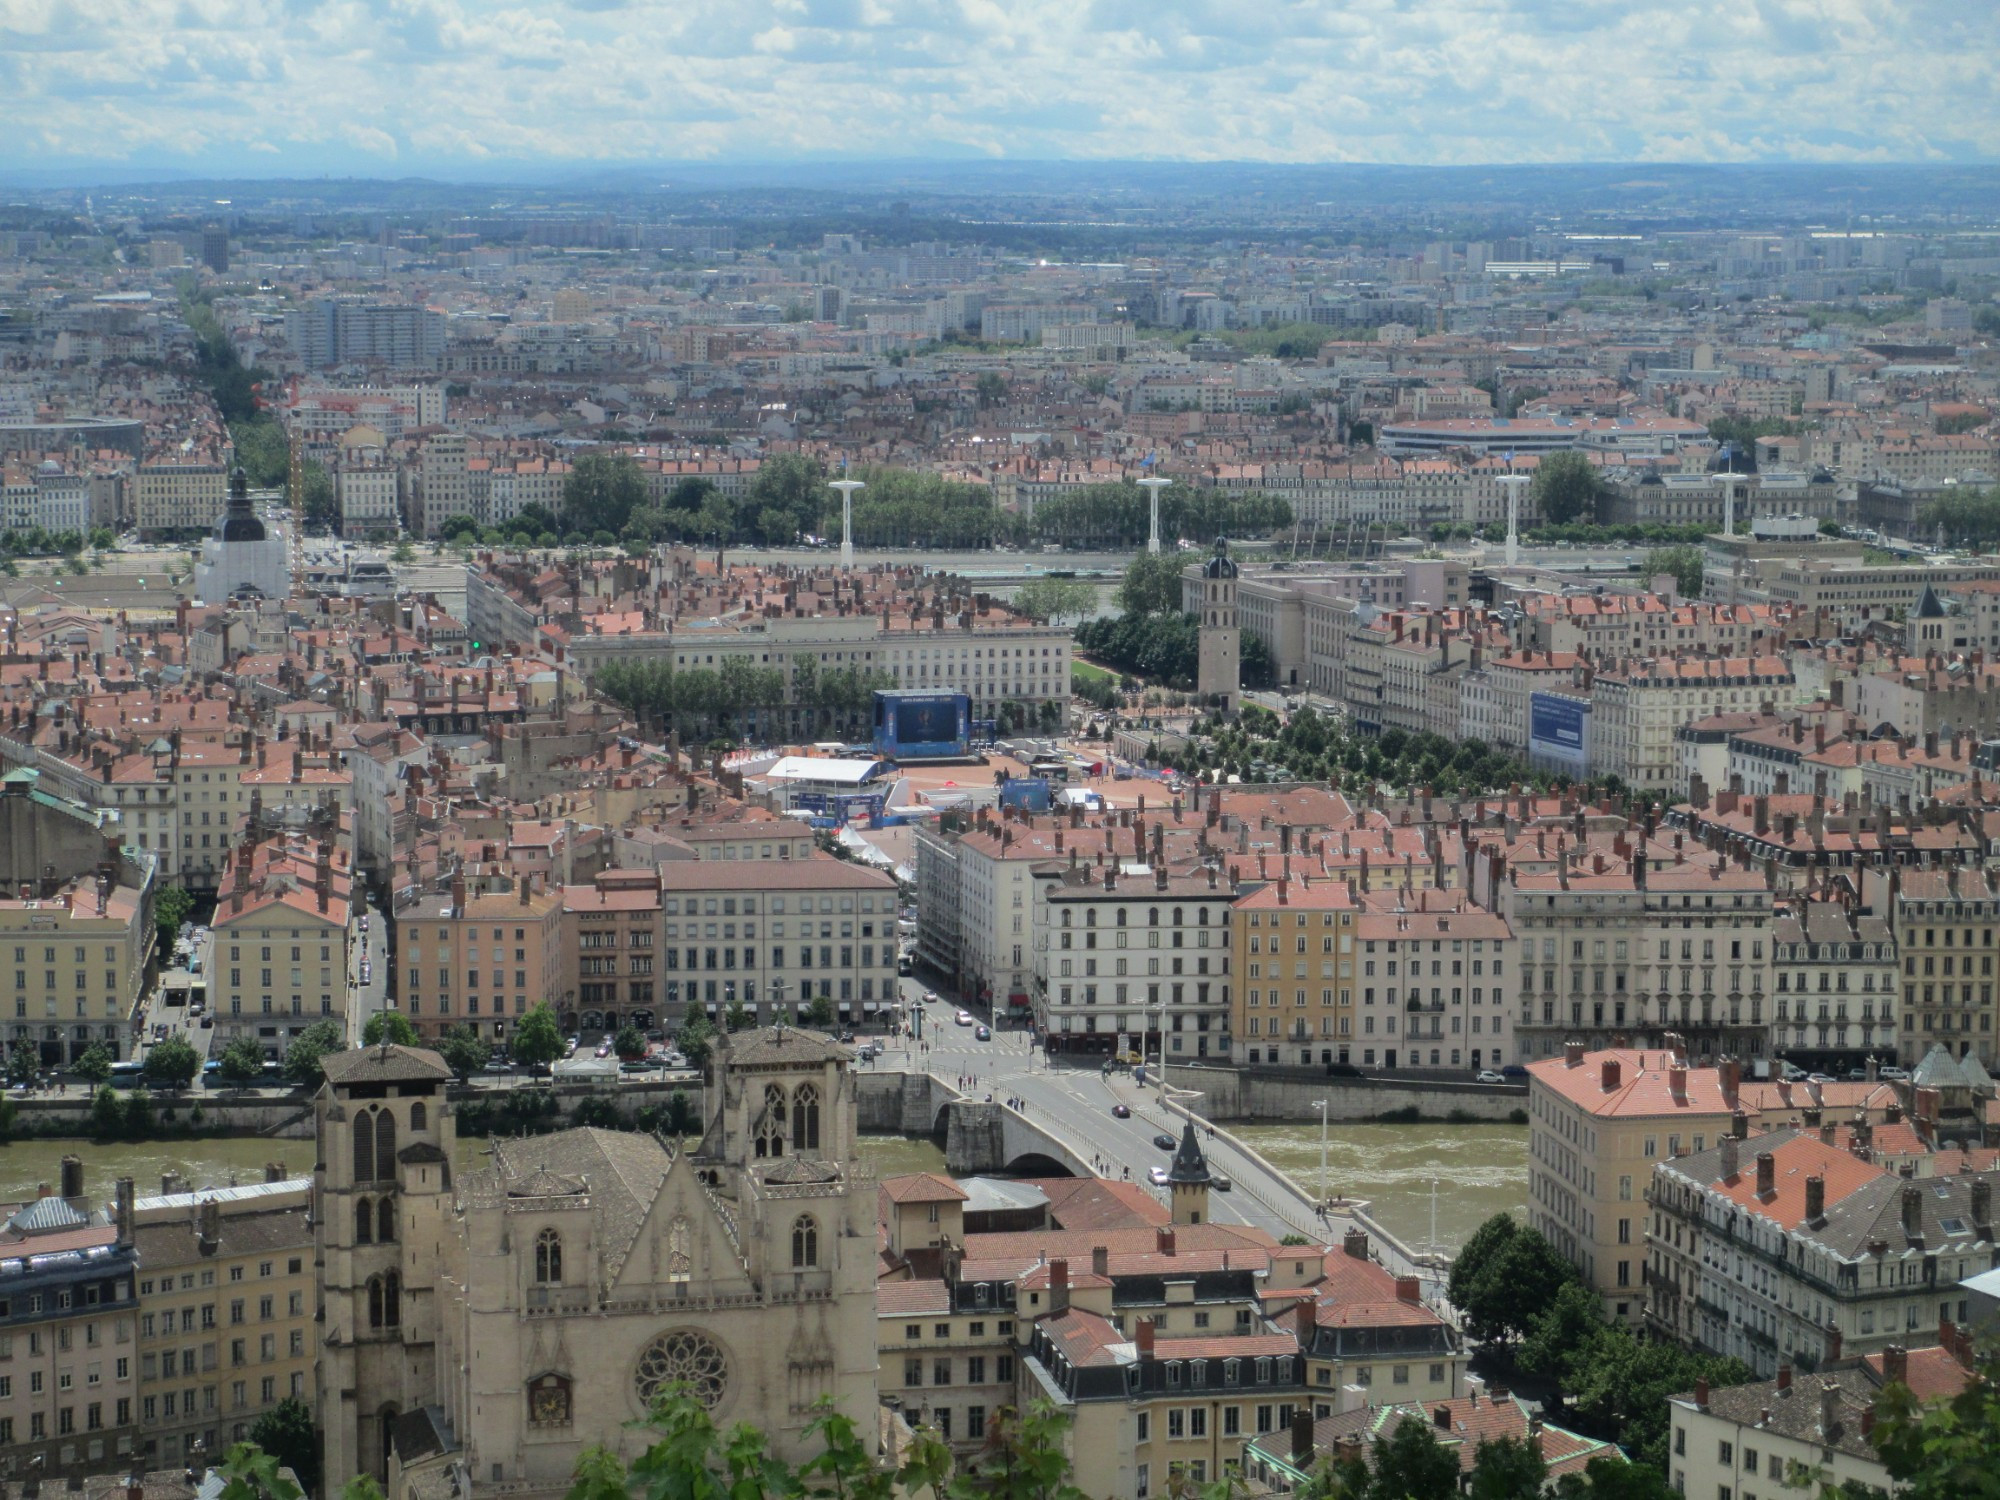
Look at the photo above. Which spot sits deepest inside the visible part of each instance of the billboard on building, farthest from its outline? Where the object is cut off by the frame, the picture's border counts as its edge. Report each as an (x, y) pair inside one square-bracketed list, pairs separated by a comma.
[(1558, 732), (919, 725)]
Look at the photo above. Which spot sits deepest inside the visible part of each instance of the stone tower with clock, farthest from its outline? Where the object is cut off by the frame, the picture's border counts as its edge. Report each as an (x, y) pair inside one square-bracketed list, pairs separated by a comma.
[(1218, 638), (580, 1272)]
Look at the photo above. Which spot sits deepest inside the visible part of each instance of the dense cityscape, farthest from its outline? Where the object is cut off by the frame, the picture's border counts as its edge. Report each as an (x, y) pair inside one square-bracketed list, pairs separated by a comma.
[(808, 792)]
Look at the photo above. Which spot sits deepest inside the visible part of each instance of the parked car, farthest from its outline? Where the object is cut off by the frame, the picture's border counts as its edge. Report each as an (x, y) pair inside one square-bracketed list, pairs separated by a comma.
[(604, 1047), (1487, 1075), (1894, 1074), (1515, 1073), (1165, 1142)]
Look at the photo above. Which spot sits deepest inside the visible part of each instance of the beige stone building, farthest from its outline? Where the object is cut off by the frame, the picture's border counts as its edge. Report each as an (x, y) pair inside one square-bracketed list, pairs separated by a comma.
[(227, 1298), (479, 960), (279, 954), (169, 496)]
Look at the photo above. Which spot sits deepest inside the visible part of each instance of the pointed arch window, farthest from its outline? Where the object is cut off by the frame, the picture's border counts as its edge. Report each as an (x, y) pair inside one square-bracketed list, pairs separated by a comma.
[(364, 1221), (385, 1221), (680, 1257), (805, 1118), (771, 1128), (364, 1146), (385, 1301), (805, 1242), (385, 1147), (548, 1257)]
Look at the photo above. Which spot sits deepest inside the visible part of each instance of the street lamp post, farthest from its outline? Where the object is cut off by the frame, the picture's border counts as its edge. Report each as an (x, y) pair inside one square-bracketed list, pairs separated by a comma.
[(1320, 1105)]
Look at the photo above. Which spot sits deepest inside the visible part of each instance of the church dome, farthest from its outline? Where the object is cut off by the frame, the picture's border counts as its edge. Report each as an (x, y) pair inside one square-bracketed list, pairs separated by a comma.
[(239, 521), (1222, 565)]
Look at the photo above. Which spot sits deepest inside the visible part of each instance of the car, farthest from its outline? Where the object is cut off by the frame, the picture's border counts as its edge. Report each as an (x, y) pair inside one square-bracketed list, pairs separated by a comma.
[(930, 998), (604, 1047), (207, 1022), (1487, 1075), (1165, 1142), (1514, 1072), (1219, 1180), (570, 1046), (1157, 1176), (364, 922), (1121, 1111), (1819, 1078), (1894, 1074), (962, 1018), (983, 1034), (637, 1065)]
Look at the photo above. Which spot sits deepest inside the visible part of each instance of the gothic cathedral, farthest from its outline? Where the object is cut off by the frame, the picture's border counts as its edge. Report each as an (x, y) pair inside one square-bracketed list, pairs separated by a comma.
[(481, 1333)]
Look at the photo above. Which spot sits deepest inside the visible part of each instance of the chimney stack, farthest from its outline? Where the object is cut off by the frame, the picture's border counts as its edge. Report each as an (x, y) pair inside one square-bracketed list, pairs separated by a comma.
[(1815, 1201), (1767, 1174)]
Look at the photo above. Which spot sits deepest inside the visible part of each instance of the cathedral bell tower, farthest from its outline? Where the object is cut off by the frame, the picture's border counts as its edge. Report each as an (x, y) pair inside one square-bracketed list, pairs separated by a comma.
[(1219, 643)]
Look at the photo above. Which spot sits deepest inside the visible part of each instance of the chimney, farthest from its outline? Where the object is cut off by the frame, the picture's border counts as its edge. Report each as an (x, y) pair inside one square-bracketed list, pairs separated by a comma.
[(72, 1182), (1163, 1241), (1572, 1054), (1302, 1436), (1730, 1075), (1143, 1337), (1739, 1125), (1701, 1394), (1730, 1165), (1608, 1073), (1982, 1207), (1356, 1244), (1058, 1286), (1913, 1211), (1408, 1289), (1100, 1260), (1767, 1174), (1896, 1364), (122, 1201), (1784, 1377), (1816, 1201), (1832, 1346), (1441, 1416), (1829, 1408), (208, 1233), (1677, 1081)]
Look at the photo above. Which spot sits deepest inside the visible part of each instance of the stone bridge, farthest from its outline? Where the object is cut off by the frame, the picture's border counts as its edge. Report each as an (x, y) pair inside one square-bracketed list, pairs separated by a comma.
[(978, 1137)]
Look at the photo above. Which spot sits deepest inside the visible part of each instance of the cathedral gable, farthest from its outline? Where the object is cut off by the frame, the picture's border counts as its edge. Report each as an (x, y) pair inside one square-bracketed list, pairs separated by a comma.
[(687, 1238)]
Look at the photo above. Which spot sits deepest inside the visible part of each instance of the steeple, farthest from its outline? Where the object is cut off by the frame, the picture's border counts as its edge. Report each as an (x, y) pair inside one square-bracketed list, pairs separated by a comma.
[(1188, 1179)]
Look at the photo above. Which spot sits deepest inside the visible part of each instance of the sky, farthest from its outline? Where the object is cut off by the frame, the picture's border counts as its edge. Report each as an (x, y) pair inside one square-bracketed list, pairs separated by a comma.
[(395, 87)]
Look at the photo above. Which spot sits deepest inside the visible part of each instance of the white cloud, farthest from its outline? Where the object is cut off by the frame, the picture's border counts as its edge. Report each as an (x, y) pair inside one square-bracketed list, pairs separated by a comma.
[(429, 82)]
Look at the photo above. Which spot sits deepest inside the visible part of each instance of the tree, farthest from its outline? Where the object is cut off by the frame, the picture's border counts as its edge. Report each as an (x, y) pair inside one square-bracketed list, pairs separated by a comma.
[(308, 1048), (1565, 488), (1504, 1279), (107, 1114), (173, 1062), (1943, 1450), (819, 1011), (1685, 563), (629, 1043), (94, 1067), (171, 907), (1413, 1465), (286, 1432), (249, 1473), (538, 1041), (601, 492), (242, 1062), (390, 1026), (1151, 585), (403, 553), (1614, 1479), (1507, 1469), (458, 528), (464, 1051), (1052, 598), (696, 1039)]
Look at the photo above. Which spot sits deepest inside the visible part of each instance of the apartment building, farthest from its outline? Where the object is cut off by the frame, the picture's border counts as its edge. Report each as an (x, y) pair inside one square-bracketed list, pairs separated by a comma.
[(481, 960), (1789, 1248), (1836, 986), (1638, 705), (68, 1349), (1943, 921), (445, 475), (227, 1299), (1598, 1122), (776, 936), (173, 496), (1750, 1442), (280, 944), (1134, 961)]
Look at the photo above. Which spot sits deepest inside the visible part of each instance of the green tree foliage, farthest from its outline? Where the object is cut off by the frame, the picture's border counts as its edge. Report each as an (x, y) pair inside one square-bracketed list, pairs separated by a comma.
[(538, 1041), (1254, 668), (819, 1011), (173, 1062), (601, 492), (318, 498), (699, 703), (630, 1043), (107, 1114), (1504, 1279), (138, 1121), (249, 1473), (1944, 1450), (696, 1039), (242, 1062), (1152, 584), (94, 1067), (172, 905), (1052, 599), (1507, 1469), (389, 1026), (1413, 1465), (1163, 648), (308, 1048), (458, 529), (1685, 563), (1566, 488), (1119, 516), (287, 1434), (464, 1051), (1970, 518)]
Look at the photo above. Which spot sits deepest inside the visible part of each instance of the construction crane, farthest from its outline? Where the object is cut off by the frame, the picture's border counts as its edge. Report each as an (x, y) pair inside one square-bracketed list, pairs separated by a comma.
[(295, 496)]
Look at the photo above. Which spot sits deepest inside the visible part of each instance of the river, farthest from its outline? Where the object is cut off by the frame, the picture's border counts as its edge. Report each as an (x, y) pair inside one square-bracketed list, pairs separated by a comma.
[(1480, 1170)]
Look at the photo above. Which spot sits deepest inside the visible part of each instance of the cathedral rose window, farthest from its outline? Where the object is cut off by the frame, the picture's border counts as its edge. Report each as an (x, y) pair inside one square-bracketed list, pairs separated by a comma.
[(682, 1358)]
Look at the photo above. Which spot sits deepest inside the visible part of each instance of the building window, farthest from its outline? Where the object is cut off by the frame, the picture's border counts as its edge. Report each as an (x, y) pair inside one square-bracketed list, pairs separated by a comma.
[(548, 1257), (805, 1243), (805, 1118)]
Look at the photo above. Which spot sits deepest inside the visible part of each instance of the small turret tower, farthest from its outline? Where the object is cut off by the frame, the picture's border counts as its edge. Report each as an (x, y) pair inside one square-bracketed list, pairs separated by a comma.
[(1188, 1180)]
